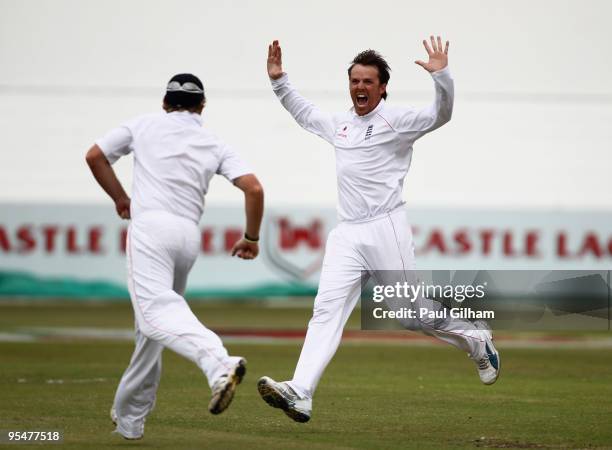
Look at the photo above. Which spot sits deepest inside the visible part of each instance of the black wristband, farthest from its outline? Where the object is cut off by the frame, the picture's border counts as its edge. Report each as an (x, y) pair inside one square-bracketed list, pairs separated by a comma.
[(250, 239)]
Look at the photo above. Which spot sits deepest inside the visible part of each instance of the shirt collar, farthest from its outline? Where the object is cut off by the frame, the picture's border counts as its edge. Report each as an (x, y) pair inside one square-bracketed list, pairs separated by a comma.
[(379, 107), (188, 116)]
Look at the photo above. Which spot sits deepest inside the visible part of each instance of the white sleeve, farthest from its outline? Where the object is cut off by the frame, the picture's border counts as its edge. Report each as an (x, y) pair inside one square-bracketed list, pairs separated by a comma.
[(116, 143), (305, 113), (231, 166), (421, 121)]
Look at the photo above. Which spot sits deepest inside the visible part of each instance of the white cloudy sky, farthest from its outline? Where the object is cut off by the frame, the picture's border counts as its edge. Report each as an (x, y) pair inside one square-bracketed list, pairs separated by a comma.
[(533, 112)]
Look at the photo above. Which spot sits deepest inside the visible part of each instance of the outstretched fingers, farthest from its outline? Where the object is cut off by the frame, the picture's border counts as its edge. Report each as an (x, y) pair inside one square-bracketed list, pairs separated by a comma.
[(438, 54), (272, 49), (434, 46), (275, 50)]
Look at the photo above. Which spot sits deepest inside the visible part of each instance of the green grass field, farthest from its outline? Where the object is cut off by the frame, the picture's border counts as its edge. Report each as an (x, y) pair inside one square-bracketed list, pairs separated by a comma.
[(373, 395)]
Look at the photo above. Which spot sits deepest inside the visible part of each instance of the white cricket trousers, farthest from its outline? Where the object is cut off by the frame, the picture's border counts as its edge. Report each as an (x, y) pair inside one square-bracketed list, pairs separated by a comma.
[(381, 243), (161, 249)]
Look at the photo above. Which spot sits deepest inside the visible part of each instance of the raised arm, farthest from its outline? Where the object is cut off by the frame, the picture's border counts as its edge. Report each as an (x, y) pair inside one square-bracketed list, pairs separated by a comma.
[(305, 113), (424, 120)]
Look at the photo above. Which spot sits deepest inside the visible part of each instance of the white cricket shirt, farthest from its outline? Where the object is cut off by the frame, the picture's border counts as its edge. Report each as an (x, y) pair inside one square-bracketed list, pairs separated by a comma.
[(373, 151), (174, 160)]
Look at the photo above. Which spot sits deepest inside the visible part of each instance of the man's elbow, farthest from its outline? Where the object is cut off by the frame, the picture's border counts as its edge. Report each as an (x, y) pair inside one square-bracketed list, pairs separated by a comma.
[(444, 116), (94, 156), (250, 185), (255, 189), (447, 116)]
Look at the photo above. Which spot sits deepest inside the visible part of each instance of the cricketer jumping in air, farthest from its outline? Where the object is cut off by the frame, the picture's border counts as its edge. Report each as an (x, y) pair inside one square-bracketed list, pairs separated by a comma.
[(373, 146)]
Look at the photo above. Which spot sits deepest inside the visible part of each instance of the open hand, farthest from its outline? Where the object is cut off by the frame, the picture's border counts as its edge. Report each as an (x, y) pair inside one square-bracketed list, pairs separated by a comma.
[(275, 61), (438, 58)]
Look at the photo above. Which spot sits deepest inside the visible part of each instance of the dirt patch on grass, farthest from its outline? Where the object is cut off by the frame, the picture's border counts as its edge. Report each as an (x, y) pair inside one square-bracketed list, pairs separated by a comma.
[(502, 443)]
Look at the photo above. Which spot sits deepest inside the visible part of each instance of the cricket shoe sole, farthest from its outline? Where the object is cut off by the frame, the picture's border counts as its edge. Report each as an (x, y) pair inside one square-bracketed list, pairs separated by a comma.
[(281, 396), (224, 389)]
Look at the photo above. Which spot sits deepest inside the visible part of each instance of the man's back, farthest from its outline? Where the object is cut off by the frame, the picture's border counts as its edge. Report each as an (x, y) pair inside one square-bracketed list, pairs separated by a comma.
[(174, 160)]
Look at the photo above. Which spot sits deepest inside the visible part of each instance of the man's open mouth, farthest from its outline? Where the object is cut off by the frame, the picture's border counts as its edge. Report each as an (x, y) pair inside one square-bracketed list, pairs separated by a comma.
[(362, 99)]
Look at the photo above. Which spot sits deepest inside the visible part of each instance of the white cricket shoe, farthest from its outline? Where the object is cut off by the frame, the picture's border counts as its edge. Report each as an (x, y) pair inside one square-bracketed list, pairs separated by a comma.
[(280, 395), (224, 388), (130, 435), (489, 365)]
